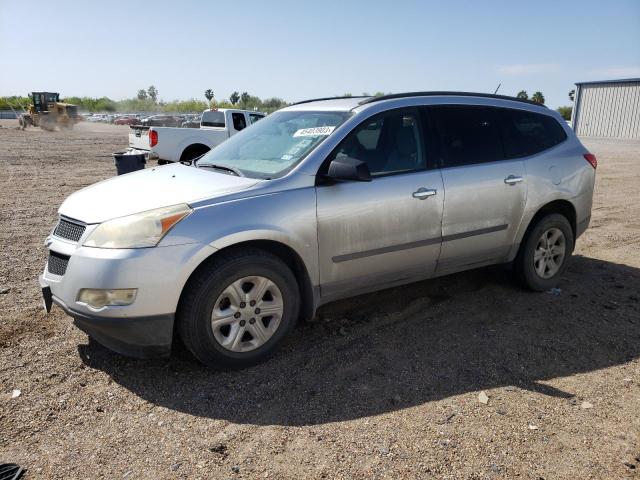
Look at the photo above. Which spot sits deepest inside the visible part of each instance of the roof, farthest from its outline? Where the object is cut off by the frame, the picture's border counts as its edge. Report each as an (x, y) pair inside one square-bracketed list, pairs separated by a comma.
[(338, 104), (350, 103), (620, 80), (448, 94)]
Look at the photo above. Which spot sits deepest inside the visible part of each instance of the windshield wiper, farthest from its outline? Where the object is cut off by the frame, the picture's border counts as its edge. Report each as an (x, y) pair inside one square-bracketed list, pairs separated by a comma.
[(226, 168)]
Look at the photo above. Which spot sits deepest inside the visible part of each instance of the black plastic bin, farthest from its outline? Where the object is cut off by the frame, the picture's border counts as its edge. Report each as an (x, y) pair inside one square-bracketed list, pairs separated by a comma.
[(128, 162)]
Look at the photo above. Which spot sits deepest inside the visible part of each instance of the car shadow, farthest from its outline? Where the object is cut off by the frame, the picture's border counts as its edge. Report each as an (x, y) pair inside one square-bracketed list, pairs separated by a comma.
[(409, 345)]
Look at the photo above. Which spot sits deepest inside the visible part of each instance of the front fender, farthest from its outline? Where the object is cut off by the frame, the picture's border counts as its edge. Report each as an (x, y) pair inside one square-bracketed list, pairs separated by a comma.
[(287, 217)]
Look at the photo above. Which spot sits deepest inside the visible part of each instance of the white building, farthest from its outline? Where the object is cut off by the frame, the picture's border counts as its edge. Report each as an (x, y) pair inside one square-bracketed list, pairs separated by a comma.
[(610, 108)]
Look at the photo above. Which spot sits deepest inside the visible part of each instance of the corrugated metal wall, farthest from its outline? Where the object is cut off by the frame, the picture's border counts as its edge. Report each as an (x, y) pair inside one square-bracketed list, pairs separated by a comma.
[(608, 110)]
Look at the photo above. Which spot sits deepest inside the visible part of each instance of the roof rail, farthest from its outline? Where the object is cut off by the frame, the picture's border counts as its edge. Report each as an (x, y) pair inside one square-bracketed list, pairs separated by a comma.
[(454, 94), (328, 98)]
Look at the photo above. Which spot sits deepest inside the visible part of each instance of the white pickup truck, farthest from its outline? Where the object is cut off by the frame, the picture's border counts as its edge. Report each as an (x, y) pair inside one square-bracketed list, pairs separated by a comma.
[(168, 144)]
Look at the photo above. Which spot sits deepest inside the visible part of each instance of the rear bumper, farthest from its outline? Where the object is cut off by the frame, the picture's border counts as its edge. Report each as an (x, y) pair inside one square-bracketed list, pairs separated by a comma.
[(139, 337)]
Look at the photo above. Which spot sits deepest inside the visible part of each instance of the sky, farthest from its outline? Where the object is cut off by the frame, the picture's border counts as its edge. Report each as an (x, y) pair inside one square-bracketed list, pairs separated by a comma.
[(300, 49)]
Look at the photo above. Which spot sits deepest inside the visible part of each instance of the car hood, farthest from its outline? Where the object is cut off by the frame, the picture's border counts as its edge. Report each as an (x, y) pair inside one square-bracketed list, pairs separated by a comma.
[(148, 189)]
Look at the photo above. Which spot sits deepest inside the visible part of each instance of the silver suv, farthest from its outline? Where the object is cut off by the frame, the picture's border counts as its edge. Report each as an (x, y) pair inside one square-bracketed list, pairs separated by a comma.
[(321, 200)]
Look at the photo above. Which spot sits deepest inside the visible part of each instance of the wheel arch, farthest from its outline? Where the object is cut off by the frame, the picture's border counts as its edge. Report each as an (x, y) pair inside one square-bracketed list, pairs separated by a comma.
[(561, 206), (194, 150), (281, 250)]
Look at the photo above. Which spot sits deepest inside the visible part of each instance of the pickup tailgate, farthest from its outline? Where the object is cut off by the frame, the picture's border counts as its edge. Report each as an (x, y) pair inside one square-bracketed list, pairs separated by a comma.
[(139, 137)]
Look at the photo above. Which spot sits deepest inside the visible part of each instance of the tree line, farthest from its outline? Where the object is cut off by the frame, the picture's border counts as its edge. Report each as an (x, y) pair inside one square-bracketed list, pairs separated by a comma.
[(148, 100), (538, 97)]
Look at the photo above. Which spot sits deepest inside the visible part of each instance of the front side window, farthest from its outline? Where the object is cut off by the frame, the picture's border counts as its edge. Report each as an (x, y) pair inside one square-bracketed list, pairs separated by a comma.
[(388, 143), (253, 118), (468, 134), (274, 145), (527, 133)]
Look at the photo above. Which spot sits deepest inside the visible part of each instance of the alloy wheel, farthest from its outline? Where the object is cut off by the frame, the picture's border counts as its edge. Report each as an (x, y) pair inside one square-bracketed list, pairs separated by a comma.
[(247, 313), (549, 253)]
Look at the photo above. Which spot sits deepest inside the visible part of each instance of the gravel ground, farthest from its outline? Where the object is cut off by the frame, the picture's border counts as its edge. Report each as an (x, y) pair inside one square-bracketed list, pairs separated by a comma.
[(380, 386)]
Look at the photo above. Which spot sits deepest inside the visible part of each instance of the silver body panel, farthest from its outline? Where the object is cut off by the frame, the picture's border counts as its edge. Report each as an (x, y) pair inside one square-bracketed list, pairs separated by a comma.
[(482, 213), (351, 237)]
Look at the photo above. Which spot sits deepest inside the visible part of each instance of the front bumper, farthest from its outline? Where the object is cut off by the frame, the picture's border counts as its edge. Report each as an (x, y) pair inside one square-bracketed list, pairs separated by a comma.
[(144, 328), (140, 337)]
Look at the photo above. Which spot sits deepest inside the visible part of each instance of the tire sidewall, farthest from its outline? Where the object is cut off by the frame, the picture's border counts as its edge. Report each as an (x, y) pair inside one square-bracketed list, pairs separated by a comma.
[(530, 277)]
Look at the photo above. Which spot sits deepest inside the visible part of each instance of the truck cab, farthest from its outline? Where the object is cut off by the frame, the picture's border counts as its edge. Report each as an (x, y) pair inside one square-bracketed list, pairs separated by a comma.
[(168, 144)]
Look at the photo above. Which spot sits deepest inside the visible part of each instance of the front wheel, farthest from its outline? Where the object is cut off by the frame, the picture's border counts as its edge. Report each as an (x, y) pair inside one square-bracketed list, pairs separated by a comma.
[(543, 256), (237, 310)]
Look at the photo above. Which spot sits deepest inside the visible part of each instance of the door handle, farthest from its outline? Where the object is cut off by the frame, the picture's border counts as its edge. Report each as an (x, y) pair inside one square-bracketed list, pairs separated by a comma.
[(512, 180), (423, 193)]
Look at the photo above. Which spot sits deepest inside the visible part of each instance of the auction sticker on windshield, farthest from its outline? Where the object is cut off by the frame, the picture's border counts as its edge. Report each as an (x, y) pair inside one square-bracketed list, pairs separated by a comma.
[(314, 132)]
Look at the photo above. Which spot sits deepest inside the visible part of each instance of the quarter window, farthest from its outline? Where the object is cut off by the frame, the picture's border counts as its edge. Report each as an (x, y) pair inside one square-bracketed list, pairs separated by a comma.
[(527, 133), (389, 143), (467, 134)]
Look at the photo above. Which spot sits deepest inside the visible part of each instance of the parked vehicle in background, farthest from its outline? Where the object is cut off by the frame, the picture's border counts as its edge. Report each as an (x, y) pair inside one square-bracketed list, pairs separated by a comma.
[(321, 200), (126, 121), (192, 121), (162, 121), (180, 145)]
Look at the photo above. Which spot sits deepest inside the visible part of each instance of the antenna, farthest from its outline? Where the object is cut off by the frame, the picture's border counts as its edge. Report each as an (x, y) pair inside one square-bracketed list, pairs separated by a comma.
[(497, 88)]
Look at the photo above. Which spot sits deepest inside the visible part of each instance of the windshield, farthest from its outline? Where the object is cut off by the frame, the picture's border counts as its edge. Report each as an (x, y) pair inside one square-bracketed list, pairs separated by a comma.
[(274, 145)]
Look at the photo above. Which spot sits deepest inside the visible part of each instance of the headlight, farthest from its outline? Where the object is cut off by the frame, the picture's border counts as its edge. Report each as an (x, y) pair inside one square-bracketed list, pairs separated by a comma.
[(141, 230)]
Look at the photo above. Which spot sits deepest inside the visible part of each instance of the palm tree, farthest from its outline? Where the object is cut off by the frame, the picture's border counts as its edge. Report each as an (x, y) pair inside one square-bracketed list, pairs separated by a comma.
[(234, 98), (523, 95), (208, 93), (538, 98)]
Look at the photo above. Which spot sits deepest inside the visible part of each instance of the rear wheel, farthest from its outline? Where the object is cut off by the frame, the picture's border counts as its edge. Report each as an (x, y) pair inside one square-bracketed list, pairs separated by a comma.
[(543, 256), (236, 311), (193, 152)]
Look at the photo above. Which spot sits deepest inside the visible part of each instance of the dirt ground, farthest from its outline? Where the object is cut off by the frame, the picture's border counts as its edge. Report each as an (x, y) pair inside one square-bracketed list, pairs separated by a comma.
[(381, 386)]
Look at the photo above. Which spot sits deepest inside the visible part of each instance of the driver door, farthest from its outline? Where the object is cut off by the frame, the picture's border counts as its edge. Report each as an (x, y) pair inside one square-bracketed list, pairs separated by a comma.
[(385, 232)]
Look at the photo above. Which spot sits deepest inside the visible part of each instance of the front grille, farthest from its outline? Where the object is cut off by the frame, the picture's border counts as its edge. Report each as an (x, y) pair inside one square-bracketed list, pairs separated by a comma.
[(57, 263), (69, 230)]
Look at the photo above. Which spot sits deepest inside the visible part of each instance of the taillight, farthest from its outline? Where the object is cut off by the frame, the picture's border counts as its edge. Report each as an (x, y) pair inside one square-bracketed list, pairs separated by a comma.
[(591, 158), (153, 138)]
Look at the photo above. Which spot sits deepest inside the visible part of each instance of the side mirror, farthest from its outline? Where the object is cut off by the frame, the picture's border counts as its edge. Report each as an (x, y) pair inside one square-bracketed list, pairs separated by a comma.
[(348, 168)]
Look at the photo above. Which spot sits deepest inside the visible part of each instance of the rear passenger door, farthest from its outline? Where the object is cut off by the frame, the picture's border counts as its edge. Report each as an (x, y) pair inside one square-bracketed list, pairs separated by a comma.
[(485, 192)]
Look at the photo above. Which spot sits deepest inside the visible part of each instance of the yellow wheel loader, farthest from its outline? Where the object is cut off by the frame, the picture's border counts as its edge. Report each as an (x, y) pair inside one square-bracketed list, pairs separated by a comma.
[(48, 112)]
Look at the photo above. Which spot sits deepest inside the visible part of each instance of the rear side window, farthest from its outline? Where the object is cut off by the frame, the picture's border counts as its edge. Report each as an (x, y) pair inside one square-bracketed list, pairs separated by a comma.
[(213, 119), (527, 133), (239, 122), (467, 134)]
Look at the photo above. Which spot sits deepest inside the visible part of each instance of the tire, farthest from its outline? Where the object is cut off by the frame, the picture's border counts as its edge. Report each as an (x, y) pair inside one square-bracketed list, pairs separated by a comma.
[(538, 270), (209, 288)]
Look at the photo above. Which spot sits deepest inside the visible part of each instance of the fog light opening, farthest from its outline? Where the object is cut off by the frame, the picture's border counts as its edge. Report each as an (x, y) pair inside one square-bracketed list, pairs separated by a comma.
[(98, 297)]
